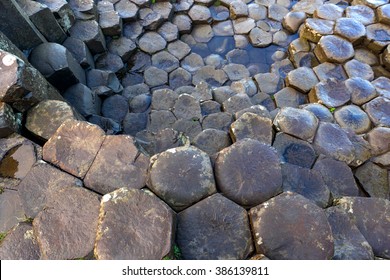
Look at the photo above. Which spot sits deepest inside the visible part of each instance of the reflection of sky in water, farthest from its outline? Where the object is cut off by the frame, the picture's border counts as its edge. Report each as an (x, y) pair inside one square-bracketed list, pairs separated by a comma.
[(223, 45)]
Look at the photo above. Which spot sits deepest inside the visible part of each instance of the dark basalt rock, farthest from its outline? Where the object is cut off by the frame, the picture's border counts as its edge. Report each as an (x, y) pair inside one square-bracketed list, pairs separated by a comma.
[(214, 229), (73, 213), (74, 147), (20, 244), (118, 164), (248, 172), (149, 237), (181, 176), (302, 232), (368, 214)]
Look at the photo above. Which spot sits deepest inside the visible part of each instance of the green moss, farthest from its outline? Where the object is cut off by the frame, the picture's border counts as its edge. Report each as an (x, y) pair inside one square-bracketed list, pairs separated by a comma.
[(1, 190), (332, 109), (177, 252), (2, 235), (167, 258), (217, 3)]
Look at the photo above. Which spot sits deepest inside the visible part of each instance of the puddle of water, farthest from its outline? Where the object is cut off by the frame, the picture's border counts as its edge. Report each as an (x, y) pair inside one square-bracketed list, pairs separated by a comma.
[(18, 161), (222, 45)]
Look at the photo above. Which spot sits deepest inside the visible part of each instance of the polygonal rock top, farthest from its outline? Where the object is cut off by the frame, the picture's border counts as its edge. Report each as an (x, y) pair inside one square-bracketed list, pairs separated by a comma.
[(134, 225), (333, 48), (181, 176)]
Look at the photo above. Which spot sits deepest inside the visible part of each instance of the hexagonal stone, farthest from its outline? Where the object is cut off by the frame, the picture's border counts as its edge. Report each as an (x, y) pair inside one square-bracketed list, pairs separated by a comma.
[(109, 62), (248, 172), (329, 11), (366, 56), (306, 182), (85, 101), (289, 97), (337, 176), (333, 48), (212, 141), (90, 33), (45, 118), (238, 9), (223, 28), (297, 122), (115, 107), (333, 141), (210, 75), (361, 90), (179, 49), (74, 213), (349, 243), (80, 52), (308, 6), (57, 64), (110, 172), (321, 112), (126, 10), (189, 128), (244, 26), (236, 103), (331, 93), (73, 147), (202, 33), (384, 14), (314, 29), (378, 139), (149, 237), (132, 30), (155, 77), (328, 70), (187, 107), (20, 244), (111, 23), (199, 14), (122, 47), (282, 234), (255, 109), (277, 12), (361, 13), (189, 185), (183, 5), (152, 42), (269, 82), (374, 180), (368, 214), (150, 19), (221, 121), (294, 151), (207, 231), (236, 72), (103, 82), (183, 23), (361, 148), (350, 29), (168, 31), (351, 116), (39, 186), (165, 61), (302, 78), (378, 36), (260, 38), (378, 110), (250, 125)]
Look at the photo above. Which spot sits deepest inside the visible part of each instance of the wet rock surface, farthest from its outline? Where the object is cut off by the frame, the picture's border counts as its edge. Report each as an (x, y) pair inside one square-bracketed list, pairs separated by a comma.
[(219, 105)]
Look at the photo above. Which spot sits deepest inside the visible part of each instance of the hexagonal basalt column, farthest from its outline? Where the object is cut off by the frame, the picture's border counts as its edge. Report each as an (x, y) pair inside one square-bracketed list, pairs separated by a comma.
[(333, 48), (181, 176), (214, 228)]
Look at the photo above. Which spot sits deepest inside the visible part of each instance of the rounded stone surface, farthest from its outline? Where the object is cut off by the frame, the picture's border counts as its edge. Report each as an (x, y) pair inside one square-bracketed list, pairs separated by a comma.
[(378, 110), (200, 14), (320, 111), (293, 20), (350, 29), (54, 110), (329, 11), (155, 76), (215, 228), (115, 107), (152, 42), (382, 86), (253, 126), (361, 13), (179, 49), (248, 172), (361, 90), (238, 9), (297, 122), (302, 79), (182, 176), (148, 238), (202, 33), (260, 38), (314, 29), (333, 48), (355, 68), (243, 25), (192, 62), (331, 93), (212, 141), (165, 61), (351, 116), (302, 232)]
